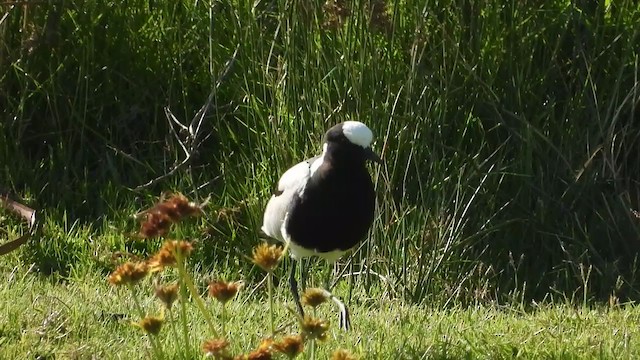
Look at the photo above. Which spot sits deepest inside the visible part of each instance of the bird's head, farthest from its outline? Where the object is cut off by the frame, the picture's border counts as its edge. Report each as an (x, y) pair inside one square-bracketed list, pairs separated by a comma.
[(351, 139)]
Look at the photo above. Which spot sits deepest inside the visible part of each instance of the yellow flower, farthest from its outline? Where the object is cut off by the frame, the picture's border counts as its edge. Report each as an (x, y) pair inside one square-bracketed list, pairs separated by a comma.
[(263, 352), (266, 344), (129, 273), (224, 291), (342, 354), (314, 297), (267, 256), (314, 328), (217, 348), (166, 256), (167, 294), (259, 354), (151, 324), (290, 345)]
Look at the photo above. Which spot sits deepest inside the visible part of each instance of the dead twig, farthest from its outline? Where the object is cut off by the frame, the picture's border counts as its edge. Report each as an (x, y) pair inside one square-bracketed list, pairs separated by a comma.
[(24, 212), (193, 137)]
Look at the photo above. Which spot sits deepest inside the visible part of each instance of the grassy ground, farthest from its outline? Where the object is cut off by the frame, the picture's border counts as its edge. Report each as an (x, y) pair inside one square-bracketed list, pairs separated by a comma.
[(509, 133), (76, 318)]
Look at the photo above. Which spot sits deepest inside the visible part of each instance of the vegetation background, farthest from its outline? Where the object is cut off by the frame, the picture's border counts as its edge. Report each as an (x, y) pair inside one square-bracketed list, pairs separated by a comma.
[(510, 132)]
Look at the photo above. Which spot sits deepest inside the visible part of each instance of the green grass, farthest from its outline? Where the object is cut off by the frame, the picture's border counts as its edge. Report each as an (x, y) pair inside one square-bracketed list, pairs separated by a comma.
[(76, 318)]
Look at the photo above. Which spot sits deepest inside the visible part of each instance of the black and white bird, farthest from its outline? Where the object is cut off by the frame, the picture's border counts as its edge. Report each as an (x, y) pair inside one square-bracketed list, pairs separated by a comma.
[(324, 206)]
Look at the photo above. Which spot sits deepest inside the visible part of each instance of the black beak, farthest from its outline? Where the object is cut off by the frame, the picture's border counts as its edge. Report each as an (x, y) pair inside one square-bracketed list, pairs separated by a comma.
[(370, 155)]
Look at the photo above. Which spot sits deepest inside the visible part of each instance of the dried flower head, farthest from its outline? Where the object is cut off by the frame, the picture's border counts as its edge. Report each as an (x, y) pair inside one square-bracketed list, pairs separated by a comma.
[(263, 352), (224, 291), (151, 324), (266, 344), (314, 297), (216, 348), (166, 256), (167, 294), (314, 328), (379, 20), (159, 218), (335, 13), (342, 354), (129, 273), (267, 256), (290, 345), (259, 354)]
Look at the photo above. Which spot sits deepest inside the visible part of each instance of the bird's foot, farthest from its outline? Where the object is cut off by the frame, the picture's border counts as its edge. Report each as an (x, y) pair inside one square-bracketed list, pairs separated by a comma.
[(344, 321)]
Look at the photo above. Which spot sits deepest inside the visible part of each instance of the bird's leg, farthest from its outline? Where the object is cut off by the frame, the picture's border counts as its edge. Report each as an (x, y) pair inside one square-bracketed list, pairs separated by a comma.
[(304, 265), (344, 321), (294, 286)]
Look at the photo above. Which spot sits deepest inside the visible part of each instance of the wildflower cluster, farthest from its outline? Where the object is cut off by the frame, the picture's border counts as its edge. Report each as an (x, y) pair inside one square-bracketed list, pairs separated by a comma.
[(172, 255), (290, 345), (160, 217), (267, 256), (224, 291), (217, 349), (314, 297), (151, 324), (132, 272), (166, 256), (167, 294), (129, 273), (314, 328), (342, 354)]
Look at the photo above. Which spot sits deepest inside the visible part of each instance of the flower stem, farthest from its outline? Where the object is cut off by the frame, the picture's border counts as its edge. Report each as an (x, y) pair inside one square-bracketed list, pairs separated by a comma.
[(157, 350), (188, 282), (224, 319), (173, 327), (272, 315), (313, 342), (313, 349), (183, 316)]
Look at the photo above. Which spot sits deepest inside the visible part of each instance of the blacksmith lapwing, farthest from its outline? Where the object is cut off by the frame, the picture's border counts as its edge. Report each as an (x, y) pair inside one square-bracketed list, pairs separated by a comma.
[(324, 206)]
